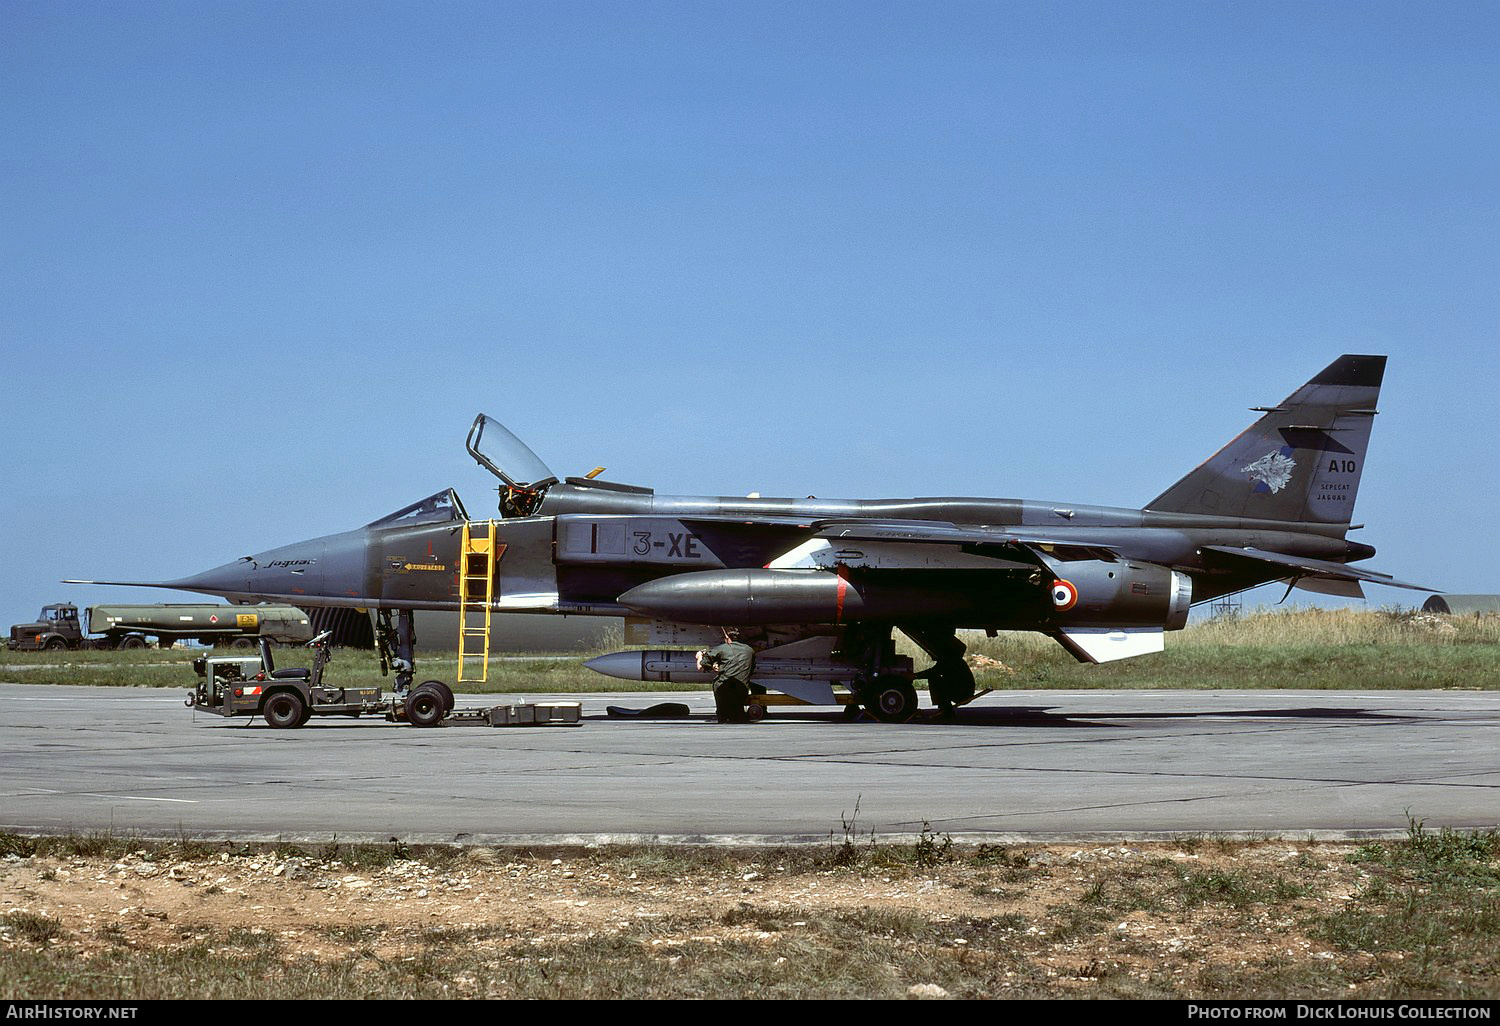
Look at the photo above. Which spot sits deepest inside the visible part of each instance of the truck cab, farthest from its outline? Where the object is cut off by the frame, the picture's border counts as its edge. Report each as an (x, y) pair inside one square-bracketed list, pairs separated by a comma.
[(56, 628)]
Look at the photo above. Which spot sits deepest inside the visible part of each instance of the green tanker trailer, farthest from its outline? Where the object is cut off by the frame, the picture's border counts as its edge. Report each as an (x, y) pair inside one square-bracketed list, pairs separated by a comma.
[(164, 624)]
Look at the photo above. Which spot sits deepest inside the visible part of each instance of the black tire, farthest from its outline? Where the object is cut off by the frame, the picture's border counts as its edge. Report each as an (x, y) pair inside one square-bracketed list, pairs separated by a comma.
[(133, 642), (164, 643), (306, 715), (284, 710), (424, 706), (891, 700), (56, 645), (242, 642), (441, 689), (852, 711), (755, 712)]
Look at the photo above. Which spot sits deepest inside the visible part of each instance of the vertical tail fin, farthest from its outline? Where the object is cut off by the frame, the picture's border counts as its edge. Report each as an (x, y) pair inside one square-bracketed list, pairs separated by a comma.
[(1301, 462)]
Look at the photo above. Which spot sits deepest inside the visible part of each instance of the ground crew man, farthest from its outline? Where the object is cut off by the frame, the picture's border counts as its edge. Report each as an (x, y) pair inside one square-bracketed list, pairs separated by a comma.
[(734, 661)]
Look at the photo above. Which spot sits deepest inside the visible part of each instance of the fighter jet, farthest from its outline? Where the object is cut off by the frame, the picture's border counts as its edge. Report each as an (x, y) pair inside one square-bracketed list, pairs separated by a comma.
[(818, 586)]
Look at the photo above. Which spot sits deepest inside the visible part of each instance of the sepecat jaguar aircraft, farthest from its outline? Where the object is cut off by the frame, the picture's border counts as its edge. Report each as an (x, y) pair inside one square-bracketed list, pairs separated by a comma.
[(818, 586)]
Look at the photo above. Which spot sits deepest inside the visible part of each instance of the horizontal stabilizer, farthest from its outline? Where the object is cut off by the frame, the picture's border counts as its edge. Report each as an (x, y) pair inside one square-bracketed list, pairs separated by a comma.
[(1311, 568), (1105, 645)]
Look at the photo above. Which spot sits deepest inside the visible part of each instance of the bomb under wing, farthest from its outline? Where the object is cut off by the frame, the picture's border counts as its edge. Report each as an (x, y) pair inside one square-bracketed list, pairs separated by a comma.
[(838, 577)]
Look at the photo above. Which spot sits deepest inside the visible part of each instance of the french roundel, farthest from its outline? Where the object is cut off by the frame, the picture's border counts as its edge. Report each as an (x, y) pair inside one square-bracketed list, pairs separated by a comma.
[(1064, 595)]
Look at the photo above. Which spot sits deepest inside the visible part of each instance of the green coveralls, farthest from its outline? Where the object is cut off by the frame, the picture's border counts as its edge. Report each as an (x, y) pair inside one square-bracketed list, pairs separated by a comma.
[(735, 662)]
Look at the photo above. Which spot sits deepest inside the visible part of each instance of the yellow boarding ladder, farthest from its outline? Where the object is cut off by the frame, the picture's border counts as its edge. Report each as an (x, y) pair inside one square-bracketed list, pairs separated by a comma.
[(476, 591)]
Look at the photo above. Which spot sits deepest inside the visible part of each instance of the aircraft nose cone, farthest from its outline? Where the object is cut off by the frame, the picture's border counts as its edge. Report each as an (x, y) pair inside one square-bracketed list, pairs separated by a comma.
[(282, 574), (227, 581)]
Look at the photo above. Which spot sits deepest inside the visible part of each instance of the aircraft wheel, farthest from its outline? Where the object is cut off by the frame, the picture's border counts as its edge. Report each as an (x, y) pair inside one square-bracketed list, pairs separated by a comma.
[(284, 709), (755, 712), (441, 689), (424, 706), (891, 700)]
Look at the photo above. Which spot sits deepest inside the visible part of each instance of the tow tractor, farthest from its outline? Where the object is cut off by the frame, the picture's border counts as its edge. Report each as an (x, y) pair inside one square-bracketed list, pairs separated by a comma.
[(253, 686)]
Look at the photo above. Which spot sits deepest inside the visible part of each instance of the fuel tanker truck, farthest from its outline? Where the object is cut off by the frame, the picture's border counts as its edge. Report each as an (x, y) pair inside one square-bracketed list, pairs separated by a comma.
[(58, 628)]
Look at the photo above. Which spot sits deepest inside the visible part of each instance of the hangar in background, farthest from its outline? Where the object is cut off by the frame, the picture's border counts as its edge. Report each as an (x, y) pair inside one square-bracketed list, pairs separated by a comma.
[(1463, 605), (518, 633)]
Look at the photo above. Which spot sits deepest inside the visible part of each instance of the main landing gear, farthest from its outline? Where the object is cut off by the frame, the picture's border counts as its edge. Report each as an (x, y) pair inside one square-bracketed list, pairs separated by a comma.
[(428, 702), (950, 682), (887, 692)]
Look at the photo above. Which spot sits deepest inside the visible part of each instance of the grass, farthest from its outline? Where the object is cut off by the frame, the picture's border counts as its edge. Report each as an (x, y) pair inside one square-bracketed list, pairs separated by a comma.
[(542, 674), (1423, 924), (1429, 913), (1316, 649), (115, 846), (1439, 944), (29, 926)]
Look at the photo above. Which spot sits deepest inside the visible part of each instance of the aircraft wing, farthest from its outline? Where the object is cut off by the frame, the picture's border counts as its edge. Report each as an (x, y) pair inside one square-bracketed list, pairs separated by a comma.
[(1301, 567), (785, 542), (909, 545), (1025, 546)]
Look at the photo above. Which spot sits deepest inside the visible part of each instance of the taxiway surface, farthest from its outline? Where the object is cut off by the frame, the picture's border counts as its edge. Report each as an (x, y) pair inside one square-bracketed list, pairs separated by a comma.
[(1016, 765)]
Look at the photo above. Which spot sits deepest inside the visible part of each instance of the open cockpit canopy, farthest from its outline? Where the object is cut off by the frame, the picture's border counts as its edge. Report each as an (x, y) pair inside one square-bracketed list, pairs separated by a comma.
[(506, 456)]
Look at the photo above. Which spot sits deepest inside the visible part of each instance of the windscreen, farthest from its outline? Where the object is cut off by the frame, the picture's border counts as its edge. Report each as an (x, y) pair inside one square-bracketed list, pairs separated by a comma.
[(435, 509)]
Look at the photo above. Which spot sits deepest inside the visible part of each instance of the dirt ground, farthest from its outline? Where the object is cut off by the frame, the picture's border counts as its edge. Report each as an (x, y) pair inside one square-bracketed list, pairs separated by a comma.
[(326, 909)]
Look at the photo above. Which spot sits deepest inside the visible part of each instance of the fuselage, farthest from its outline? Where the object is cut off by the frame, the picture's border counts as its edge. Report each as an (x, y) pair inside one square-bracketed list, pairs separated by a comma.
[(411, 561)]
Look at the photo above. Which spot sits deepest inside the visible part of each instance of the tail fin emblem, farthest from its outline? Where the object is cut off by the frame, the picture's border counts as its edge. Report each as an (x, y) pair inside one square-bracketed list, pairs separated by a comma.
[(1273, 470)]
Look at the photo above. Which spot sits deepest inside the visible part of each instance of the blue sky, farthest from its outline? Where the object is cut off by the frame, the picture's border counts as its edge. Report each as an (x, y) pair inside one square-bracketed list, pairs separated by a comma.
[(263, 262)]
